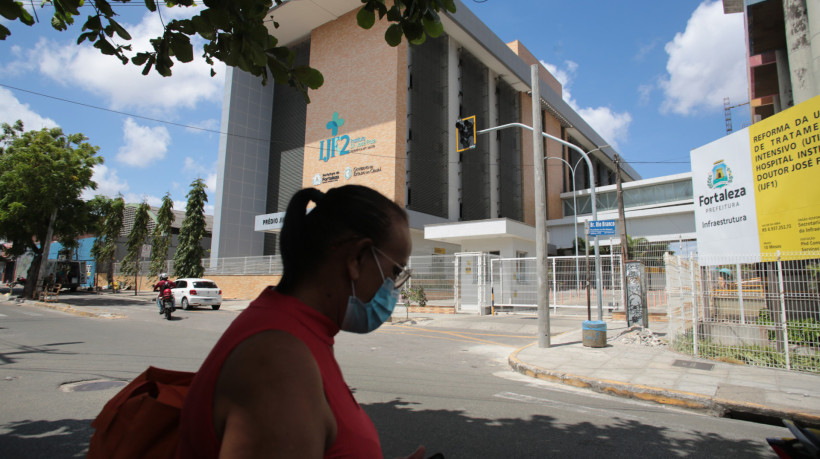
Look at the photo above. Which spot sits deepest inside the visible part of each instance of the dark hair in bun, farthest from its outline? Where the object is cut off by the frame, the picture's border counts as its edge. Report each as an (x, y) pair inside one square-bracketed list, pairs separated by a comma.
[(341, 213)]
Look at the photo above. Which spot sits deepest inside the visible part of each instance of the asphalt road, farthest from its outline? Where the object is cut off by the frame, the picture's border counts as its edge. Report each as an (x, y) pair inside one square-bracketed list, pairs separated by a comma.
[(449, 389)]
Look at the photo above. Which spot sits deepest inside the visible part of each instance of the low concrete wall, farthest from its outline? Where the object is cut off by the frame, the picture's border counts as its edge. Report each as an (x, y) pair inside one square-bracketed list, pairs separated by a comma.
[(241, 287), (245, 287)]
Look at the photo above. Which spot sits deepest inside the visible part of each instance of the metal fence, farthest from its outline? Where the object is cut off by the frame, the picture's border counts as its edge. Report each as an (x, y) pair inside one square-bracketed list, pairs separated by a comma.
[(436, 274), (757, 313), (260, 265), (515, 282)]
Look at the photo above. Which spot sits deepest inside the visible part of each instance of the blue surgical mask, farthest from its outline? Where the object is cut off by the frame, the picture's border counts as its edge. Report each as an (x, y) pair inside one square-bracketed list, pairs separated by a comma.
[(363, 317)]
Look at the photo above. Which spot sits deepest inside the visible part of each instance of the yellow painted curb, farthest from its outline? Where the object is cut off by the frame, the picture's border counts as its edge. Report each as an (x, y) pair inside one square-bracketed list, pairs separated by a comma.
[(659, 395)]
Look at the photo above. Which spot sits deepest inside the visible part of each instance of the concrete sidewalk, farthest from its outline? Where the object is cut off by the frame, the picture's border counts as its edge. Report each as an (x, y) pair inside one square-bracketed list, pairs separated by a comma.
[(649, 369), (627, 368)]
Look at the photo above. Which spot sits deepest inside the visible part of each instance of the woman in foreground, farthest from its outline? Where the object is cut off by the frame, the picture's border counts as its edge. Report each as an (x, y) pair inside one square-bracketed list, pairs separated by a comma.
[(271, 386)]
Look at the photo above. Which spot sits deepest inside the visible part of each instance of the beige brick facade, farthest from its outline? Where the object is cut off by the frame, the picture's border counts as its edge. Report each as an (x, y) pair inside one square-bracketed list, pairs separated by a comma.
[(365, 83)]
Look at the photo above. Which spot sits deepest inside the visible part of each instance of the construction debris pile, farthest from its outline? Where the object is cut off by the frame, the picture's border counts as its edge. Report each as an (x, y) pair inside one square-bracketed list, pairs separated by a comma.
[(642, 337)]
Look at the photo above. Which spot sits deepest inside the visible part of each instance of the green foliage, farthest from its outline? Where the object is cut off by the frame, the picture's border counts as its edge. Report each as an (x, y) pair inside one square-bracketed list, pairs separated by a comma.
[(814, 272), (414, 19), (104, 249), (40, 172), (161, 237), (415, 295), (235, 32), (189, 254), (136, 239), (746, 354), (805, 332)]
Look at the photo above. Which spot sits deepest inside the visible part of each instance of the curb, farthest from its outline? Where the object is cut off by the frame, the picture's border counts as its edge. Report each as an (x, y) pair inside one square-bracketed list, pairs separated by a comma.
[(715, 406), (62, 307)]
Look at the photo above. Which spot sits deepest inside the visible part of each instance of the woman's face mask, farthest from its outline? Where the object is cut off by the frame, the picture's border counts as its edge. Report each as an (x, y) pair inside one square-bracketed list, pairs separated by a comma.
[(363, 317)]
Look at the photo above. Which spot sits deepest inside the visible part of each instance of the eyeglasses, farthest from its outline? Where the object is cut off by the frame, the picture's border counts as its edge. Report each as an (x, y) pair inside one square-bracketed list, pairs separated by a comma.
[(402, 273)]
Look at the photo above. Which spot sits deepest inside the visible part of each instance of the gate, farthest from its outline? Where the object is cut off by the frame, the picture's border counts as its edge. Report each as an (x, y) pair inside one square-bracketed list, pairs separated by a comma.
[(473, 278)]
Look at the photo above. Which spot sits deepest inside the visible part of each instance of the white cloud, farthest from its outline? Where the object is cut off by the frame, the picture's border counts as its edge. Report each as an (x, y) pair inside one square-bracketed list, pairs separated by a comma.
[(143, 144), (611, 125), (198, 169), (563, 75), (124, 86), (210, 181), (108, 183), (644, 92), (706, 62), (191, 165), (12, 110)]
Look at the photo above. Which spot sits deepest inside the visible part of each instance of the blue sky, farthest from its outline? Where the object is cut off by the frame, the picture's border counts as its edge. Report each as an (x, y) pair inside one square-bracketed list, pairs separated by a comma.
[(649, 76)]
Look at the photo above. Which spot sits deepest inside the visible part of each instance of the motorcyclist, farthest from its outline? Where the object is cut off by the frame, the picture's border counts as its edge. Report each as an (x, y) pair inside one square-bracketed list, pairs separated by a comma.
[(160, 286)]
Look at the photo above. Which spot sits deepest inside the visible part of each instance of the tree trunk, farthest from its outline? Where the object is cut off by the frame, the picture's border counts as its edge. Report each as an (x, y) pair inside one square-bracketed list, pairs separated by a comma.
[(31, 274), (44, 247)]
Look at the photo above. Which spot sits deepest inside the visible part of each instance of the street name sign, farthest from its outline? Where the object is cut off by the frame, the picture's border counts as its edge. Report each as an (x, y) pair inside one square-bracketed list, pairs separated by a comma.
[(602, 227)]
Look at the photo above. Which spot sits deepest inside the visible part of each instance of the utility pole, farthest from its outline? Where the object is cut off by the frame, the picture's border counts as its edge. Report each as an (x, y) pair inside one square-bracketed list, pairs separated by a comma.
[(540, 211), (622, 218)]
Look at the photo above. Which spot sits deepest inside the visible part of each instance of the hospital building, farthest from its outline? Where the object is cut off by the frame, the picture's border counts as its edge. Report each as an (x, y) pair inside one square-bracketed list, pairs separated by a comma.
[(385, 118)]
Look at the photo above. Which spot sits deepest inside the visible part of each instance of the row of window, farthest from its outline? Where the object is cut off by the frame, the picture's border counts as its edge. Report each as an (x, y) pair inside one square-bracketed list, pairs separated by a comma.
[(633, 197)]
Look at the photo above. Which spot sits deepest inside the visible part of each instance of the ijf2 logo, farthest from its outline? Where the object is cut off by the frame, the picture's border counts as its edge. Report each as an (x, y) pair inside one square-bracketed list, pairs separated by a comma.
[(720, 176), (336, 144)]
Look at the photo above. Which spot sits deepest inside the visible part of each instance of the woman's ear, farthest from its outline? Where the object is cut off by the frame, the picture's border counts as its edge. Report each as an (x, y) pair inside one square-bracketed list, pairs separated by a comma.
[(356, 255)]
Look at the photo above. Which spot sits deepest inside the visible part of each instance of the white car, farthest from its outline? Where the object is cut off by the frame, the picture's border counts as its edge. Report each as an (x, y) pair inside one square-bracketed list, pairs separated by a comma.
[(192, 292)]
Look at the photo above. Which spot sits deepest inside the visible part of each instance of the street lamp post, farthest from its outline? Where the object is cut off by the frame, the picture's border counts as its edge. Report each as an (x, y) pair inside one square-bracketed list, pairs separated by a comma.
[(585, 156), (575, 219)]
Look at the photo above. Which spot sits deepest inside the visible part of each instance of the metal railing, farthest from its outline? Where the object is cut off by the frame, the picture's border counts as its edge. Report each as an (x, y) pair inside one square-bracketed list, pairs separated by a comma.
[(234, 266), (756, 313)]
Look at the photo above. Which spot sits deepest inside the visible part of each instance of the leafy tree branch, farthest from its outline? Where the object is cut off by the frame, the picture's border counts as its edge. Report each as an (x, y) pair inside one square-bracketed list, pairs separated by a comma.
[(236, 32)]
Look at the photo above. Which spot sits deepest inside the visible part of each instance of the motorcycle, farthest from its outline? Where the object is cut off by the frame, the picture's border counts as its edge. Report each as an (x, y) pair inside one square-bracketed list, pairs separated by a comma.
[(167, 299), (805, 444)]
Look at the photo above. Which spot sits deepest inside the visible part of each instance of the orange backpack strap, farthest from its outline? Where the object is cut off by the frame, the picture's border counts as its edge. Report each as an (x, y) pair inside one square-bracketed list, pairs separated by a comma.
[(142, 419)]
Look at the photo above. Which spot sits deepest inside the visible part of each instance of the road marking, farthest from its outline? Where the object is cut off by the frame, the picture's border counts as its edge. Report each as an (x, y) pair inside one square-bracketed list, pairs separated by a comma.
[(3, 315)]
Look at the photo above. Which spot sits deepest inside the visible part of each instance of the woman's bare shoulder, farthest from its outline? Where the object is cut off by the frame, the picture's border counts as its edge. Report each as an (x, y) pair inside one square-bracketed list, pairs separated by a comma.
[(269, 355), (271, 384)]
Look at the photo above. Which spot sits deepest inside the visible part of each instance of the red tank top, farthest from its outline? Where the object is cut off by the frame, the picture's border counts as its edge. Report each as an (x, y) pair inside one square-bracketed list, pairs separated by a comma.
[(356, 436)]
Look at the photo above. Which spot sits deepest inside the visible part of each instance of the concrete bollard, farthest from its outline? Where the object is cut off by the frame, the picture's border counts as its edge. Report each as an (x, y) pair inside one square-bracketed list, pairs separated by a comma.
[(594, 333)]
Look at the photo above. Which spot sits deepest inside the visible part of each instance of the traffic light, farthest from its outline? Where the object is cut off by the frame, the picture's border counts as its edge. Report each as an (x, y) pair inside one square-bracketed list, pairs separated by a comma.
[(466, 133)]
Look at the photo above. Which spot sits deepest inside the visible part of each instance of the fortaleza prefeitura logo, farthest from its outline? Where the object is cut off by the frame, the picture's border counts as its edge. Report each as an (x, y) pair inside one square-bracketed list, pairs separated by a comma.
[(720, 177)]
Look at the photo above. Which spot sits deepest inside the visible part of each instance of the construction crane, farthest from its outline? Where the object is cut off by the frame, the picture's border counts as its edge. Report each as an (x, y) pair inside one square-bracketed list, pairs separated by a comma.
[(727, 112)]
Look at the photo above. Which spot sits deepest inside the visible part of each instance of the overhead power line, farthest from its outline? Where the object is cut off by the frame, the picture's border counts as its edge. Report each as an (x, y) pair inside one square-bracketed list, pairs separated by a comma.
[(258, 139)]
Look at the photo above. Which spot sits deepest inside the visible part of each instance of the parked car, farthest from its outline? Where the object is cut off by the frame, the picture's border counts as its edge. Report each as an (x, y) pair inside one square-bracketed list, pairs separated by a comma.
[(193, 292)]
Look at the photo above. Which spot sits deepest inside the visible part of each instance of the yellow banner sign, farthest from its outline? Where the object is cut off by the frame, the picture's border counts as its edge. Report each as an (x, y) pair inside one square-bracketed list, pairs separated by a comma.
[(785, 150)]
